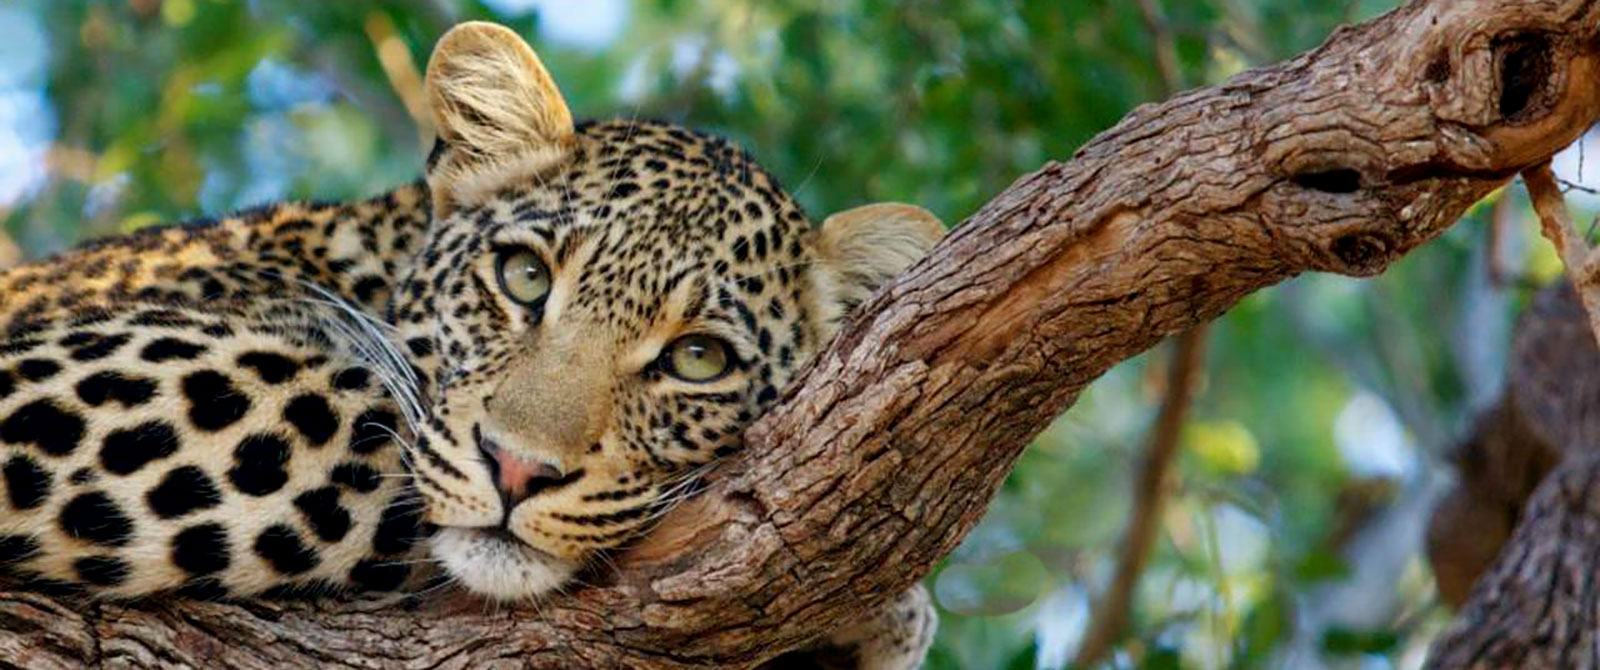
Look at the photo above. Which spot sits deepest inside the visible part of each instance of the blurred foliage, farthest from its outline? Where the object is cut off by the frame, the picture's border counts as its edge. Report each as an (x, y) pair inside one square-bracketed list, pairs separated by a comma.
[(1319, 435)]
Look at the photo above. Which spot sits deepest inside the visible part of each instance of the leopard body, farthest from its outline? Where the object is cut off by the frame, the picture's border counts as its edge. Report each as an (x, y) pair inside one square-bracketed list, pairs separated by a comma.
[(490, 378)]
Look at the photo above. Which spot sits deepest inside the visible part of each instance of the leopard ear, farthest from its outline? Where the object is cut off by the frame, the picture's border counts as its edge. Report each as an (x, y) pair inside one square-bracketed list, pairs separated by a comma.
[(864, 247), (496, 110)]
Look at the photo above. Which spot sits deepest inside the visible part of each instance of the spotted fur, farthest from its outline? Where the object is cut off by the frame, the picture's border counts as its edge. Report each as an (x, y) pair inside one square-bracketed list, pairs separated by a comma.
[(305, 397)]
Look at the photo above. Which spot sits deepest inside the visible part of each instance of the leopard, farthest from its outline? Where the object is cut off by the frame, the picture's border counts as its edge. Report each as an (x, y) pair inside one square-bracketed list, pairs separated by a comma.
[(487, 379)]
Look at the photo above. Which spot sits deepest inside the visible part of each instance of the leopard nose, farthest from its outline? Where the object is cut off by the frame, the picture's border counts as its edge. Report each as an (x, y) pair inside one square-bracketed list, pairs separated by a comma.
[(521, 478)]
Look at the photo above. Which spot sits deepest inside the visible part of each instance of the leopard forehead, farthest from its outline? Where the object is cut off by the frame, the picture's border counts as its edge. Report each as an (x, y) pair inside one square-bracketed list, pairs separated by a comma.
[(640, 207)]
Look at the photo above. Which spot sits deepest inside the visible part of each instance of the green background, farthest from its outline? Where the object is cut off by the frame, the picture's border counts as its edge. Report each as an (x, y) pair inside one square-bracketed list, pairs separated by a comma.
[(1327, 409)]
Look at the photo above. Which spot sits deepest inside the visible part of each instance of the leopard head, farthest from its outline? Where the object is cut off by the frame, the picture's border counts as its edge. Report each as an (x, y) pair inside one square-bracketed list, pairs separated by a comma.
[(598, 311)]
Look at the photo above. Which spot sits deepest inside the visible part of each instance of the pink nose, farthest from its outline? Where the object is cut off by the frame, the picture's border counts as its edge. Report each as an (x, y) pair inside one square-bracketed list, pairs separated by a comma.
[(520, 479)]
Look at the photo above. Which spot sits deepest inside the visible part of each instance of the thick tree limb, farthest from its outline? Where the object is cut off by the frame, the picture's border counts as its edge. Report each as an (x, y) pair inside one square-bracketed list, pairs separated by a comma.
[(1153, 481), (1536, 609), (888, 450)]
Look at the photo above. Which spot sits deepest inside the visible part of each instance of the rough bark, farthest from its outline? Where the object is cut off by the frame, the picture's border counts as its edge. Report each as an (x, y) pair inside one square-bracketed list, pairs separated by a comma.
[(887, 451), (1538, 608)]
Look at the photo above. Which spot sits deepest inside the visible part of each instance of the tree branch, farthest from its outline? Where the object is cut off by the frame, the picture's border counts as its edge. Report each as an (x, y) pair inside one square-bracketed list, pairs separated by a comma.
[(887, 451), (1583, 269), (1152, 483)]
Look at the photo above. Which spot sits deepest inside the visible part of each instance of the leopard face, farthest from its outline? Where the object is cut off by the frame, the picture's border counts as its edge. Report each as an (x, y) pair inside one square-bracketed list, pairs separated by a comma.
[(597, 311)]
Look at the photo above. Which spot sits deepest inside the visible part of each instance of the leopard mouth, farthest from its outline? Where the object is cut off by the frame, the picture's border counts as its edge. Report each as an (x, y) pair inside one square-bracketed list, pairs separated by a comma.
[(493, 563)]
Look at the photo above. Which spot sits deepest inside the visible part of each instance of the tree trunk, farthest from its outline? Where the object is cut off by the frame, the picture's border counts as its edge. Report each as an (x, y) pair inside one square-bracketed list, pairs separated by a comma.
[(1546, 413), (1517, 543), (887, 451), (1537, 608)]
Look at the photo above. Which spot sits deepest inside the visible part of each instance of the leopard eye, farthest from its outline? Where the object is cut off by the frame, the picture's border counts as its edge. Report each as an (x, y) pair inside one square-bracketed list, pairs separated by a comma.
[(523, 276), (698, 358)]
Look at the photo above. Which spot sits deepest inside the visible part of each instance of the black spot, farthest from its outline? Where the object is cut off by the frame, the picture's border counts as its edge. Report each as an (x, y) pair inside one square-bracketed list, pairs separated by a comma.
[(17, 548), (367, 288), (100, 347), (322, 512), (376, 575), (7, 383), (421, 347), (311, 415), (185, 489), (18, 347), (101, 570), (372, 430), (93, 315), (100, 387), (28, 580), (205, 588), (161, 317), (272, 368), (357, 476), (27, 484), (218, 330), (214, 403), (307, 590), (125, 451), (94, 517), (170, 349), (258, 464), (41, 422), (351, 379), (624, 189), (202, 549), (398, 527), (281, 547), (83, 476), (38, 369), (212, 288)]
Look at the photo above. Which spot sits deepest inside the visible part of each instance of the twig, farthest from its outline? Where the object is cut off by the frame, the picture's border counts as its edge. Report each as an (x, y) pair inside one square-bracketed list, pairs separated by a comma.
[(400, 69), (1567, 185), (1575, 252), (1164, 46)]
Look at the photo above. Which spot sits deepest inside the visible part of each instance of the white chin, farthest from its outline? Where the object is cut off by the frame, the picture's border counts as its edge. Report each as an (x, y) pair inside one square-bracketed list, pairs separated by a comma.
[(498, 568)]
